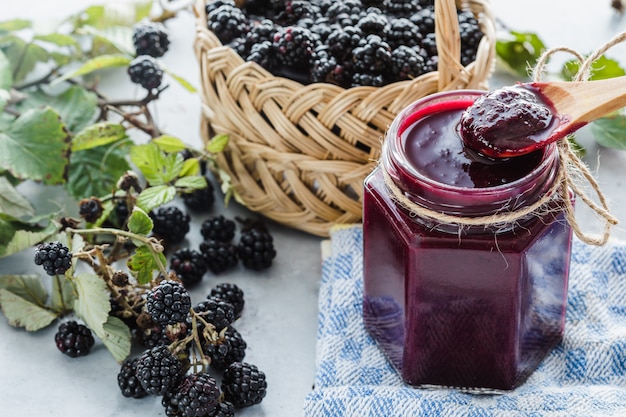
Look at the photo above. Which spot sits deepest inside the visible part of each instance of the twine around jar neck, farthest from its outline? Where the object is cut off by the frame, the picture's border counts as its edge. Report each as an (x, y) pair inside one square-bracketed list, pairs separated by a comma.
[(573, 175)]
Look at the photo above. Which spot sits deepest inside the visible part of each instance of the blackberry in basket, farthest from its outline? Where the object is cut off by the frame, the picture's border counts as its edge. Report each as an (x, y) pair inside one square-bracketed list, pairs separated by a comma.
[(294, 46), (471, 36), (342, 41), (406, 63), (227, 22), (374, 21), (372, 56), (403, 32), (263, 53)]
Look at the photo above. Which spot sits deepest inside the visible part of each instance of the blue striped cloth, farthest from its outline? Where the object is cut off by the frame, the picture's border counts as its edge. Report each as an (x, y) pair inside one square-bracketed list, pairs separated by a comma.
[(584, 376)]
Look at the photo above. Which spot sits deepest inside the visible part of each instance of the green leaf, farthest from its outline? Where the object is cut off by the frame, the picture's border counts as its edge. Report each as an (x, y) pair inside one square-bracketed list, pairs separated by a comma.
[(13, 25), (217, 143), (95, 171), (5, 96), (92, 303), (113, 14), (76, 106), (156, 166), (98, 134), (143, 263), (58, 39), (111, 40), (519, 51), (36, 147), (184, 83), (169, 144), (153, 197), (62, 295), (139, 222), (22, 313), (29, 287), (95, 64), (193, 182), (191, 166), (601, 69), (610, 131), (6, 76), (23, 56), (17, 235), (12, 202), (116, 337)]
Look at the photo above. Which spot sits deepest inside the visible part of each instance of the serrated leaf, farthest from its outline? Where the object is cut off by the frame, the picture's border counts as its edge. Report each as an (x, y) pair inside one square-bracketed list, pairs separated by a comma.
[(169, 144), (519, 51), (22, 313), (116, 337), (98, 134), (95, 64), (29, 287), (12, 202), (76, 106), (6, 76), (36, 147), (217, 143), (601, 69), (23, 56), (110, 40), (95, 171), (191, 166), (17, 235), (92, 303), (193, 182), (153, 197), (139, 222), (143, 264), (62, 295), (610, 131), (14, 24), (157, 167), (57, 39)]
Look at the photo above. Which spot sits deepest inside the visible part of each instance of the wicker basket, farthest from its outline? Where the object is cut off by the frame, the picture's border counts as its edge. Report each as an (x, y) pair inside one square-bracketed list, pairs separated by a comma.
[(298, 154)]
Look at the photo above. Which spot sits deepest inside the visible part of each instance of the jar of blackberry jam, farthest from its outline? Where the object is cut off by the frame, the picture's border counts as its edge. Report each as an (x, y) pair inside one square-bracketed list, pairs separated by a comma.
[(466, 304)]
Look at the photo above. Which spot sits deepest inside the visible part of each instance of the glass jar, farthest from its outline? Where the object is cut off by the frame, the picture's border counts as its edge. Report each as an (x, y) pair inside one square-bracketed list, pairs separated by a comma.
[(470, 306)]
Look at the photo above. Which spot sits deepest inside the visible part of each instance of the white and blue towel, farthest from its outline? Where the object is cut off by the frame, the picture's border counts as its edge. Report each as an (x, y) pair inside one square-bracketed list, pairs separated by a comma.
[(584, 376)]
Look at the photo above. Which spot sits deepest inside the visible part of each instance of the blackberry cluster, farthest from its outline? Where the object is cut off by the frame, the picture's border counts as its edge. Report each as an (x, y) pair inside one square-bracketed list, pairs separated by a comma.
[(55, 257), (168, 303), (243, 384), (324, 41), (74, 339), (145, 71), (189, 266), (170, 224), (150, 38)]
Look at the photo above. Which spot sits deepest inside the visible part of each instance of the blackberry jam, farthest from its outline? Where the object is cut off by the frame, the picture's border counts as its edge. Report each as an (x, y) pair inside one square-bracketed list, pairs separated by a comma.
[(461, 305)]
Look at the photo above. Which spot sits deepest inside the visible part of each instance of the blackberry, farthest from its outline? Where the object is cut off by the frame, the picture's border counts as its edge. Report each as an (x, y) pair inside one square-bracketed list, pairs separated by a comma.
[(406, 63), (168, 303), (224, 409), (402, 31), (230, 293), (55, 257), (342, 41), (342, 9), (321, 28), (225, 350), (294, 46), (197, 395), (170, 224), (227, 22), (374, 21), (260, 31), (150, 38), (431, 63), (401, 8), (145, 71), (424, 19), (90, 209), (219, 256), (429, 45), (127, 379), (326, 68), (158, 370), (263, 54), (240, 46), (295, 10), (215, 311), (471, 36), (218, 228), (200, 198), (189, 266), (372, 56), (243, 384), (364, 79), (256, 249), (213, 5), (154, 336), (74, 339)]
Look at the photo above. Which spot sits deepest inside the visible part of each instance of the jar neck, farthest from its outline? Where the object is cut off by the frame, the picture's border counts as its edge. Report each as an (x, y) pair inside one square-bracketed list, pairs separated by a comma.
[(532, 185)]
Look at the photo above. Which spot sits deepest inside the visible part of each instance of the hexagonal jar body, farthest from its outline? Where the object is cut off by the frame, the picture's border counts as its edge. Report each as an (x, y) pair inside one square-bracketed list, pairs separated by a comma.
[(462, 306)]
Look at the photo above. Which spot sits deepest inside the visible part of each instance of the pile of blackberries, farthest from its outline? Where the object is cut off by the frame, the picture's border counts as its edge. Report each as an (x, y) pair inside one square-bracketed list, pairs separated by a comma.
[(345, 42)]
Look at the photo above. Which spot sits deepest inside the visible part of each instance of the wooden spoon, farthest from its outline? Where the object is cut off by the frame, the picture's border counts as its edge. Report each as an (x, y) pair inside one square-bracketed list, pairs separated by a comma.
[(573, 104)]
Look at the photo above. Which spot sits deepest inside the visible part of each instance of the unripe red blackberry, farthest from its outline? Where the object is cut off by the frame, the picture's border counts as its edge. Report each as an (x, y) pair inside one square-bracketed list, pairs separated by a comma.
[(74, 339), (55, 257), (243, 384), (168, 303)]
